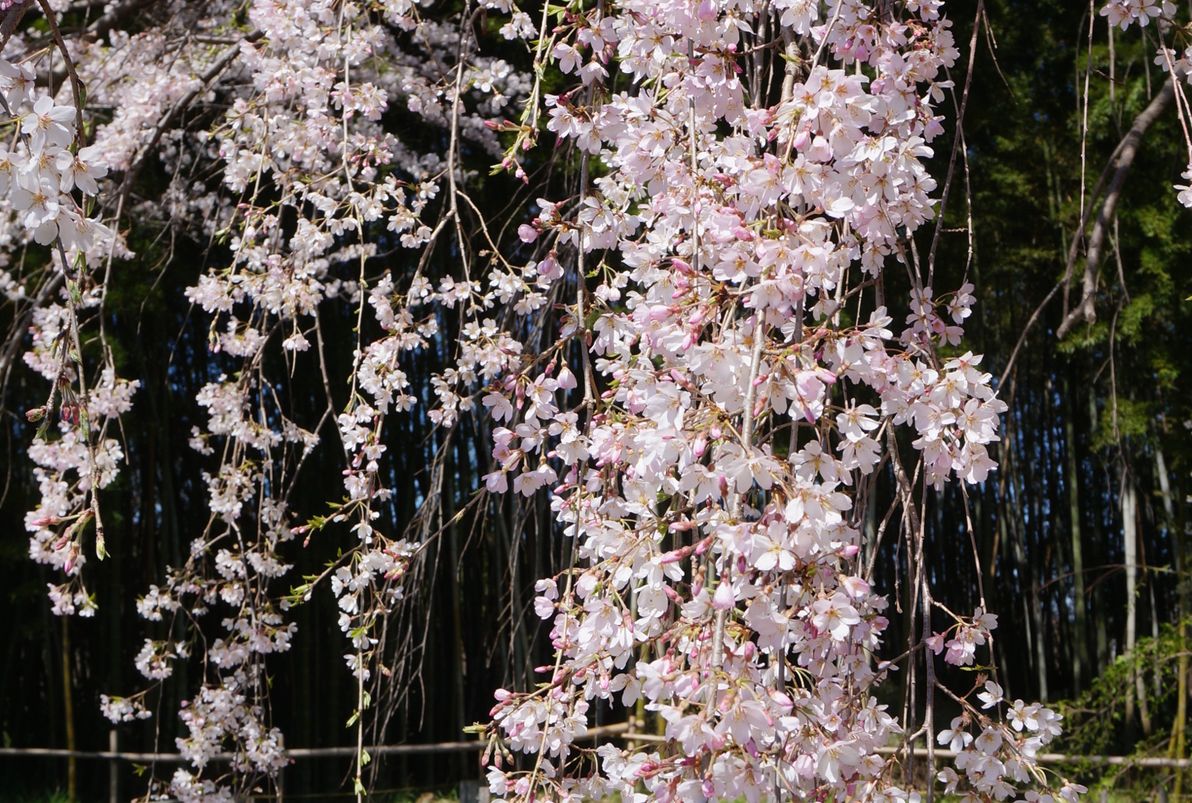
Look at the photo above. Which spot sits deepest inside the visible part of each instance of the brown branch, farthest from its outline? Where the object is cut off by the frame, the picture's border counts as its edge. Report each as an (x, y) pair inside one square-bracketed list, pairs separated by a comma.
[(12, 18), (205, 80), (1118, 169)]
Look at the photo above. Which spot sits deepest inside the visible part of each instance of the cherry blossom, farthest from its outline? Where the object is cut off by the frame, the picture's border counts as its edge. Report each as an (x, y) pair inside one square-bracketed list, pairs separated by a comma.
[(693, 355)]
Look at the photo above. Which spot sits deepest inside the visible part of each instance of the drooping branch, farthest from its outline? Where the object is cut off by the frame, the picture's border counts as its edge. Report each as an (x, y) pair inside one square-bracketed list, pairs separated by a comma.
[(1117, 170)]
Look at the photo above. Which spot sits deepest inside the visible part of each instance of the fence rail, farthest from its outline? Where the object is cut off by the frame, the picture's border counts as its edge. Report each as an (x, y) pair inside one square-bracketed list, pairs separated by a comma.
[(297, 752), (1042, 758), (623, 731)]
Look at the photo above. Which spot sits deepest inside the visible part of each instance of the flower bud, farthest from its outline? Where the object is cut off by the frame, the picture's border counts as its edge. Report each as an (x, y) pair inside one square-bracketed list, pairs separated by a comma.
[(723, 598)]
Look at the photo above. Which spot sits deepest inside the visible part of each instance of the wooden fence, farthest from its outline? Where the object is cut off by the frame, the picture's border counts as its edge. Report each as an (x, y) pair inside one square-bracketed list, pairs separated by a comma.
[(622, 731)]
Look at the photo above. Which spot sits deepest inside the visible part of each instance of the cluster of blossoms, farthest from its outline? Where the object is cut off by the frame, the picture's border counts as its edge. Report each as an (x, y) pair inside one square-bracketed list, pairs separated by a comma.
[(711, 420), (302, 127), (123, 709), (309, 188), (39, 173), (1124, 13), (752, 386), (47, 182), (983, 759)]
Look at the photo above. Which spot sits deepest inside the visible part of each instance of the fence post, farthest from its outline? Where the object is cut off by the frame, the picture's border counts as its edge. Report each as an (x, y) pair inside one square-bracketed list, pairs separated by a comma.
[(113, 769)]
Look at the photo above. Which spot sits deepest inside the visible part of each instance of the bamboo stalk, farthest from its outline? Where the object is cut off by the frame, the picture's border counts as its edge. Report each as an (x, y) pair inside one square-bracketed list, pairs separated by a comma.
[(72, 768), (1177, 746)]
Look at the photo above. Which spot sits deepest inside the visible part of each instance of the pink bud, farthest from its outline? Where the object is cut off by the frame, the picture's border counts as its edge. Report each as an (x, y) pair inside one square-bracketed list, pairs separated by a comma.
[(527, 233), (723, 598), (676, 555), (659, 313)]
